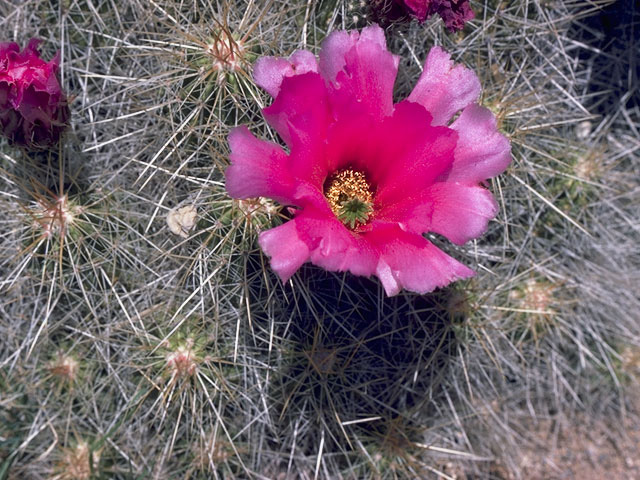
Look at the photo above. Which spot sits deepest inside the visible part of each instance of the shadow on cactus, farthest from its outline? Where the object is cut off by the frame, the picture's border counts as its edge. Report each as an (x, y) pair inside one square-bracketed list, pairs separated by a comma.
[(352, 365), (608, 46)]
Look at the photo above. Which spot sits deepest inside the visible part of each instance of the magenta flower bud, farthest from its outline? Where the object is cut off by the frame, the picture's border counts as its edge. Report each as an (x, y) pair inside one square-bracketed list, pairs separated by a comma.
[(454, 13), (33, 108)]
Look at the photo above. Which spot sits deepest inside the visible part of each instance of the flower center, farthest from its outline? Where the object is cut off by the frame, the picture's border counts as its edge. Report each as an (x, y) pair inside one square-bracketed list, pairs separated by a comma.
[(350, 197)]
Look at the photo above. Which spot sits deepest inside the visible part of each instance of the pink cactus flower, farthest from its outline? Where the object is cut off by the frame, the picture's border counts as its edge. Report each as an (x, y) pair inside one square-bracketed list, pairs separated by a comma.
[(454, 13), (33, 107), (368, 177)]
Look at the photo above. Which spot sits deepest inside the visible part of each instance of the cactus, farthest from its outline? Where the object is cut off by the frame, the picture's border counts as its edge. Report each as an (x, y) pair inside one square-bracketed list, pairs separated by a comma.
[(143, 334)]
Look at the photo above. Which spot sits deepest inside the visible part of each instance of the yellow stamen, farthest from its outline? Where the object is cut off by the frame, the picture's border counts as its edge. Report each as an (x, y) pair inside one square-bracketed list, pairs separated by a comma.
[(345, 186)]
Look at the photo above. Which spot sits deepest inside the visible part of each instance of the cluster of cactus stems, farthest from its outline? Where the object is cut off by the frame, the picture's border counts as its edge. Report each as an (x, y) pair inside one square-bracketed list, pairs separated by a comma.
[(143, 333)]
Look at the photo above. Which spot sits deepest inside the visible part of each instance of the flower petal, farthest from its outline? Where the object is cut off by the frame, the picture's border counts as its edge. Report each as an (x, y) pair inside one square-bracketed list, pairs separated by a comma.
[(353, 141), (418, 8), (317, 235), (459, 212), (268, 72), (360, 72), (332, 246), (410, 261), (5, 48), (455, 13), (412, 154), (258, 168), (444, 89), (300, 114), (482, 152), (285, 248)]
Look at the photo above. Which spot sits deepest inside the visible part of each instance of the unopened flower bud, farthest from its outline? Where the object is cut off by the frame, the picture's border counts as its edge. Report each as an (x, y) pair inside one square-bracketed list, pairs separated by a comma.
[(33, 108)]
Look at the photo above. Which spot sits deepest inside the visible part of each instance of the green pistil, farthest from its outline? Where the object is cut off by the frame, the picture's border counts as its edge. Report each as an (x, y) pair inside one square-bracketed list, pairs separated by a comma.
[(354, 211)]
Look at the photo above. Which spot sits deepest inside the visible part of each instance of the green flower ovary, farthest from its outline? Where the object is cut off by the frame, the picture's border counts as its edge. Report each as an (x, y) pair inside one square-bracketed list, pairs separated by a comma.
[(354, 211)]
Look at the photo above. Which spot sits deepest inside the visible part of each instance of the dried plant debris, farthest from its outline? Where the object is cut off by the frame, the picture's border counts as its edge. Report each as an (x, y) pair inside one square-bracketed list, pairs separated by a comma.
[(181, 220)]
